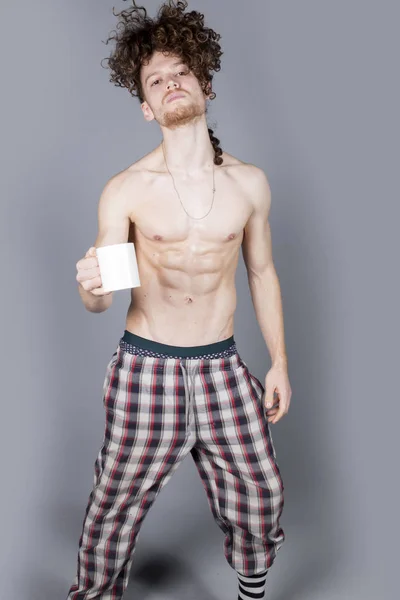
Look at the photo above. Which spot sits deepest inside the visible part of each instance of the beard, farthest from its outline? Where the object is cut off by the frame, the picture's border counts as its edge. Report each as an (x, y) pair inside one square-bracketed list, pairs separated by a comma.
[(181, 114)]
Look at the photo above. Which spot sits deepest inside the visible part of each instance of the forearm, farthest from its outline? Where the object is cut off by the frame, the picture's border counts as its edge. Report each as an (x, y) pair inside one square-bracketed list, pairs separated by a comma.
[(267, 301), (95, 304)]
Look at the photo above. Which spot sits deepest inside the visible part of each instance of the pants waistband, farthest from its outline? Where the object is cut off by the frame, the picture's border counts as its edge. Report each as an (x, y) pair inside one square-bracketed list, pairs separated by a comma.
[(136, 344)]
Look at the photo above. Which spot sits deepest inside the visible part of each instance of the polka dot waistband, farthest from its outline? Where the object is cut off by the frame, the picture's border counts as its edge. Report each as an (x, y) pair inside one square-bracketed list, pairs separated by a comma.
[(132, 349)]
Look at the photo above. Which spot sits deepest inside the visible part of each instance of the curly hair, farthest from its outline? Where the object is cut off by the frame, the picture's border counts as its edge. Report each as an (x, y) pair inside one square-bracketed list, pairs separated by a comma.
[(173, 31)]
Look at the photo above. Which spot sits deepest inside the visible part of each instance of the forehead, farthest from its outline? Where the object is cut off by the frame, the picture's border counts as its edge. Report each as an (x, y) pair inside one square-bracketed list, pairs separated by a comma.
[(160, 61)]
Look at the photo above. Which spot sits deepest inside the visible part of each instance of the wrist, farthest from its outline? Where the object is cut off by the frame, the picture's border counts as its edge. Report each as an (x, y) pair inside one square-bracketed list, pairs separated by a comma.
[(280, 362)]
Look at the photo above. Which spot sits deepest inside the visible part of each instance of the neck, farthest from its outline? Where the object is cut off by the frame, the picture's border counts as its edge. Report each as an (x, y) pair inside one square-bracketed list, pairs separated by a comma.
[(188, 149)]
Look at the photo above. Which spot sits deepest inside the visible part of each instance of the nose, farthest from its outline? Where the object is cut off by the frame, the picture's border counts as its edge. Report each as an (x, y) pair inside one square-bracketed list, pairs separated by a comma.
[(172, 83)]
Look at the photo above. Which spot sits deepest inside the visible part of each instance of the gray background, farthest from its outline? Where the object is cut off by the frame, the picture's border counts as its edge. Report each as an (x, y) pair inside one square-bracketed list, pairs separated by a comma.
[(309, 92)]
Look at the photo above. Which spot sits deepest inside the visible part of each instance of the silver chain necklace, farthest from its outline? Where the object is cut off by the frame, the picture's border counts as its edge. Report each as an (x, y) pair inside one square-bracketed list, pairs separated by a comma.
[(173, 181)]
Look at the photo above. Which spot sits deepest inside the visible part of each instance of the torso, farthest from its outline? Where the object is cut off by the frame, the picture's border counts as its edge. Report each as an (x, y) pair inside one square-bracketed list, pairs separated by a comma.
[(187, 267)]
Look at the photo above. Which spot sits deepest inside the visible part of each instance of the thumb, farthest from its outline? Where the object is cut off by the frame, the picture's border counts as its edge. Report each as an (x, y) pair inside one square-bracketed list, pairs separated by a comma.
[(269, 398)]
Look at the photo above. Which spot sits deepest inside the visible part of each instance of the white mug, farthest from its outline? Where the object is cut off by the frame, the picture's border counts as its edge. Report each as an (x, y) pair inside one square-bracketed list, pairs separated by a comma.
[(118, 266)]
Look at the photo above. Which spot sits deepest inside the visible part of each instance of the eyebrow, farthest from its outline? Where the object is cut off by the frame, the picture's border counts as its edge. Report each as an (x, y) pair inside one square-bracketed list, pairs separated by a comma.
[(175, 64)]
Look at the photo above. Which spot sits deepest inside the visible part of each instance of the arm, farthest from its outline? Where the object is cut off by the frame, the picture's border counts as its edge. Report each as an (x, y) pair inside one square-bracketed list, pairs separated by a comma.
[(263, 280), (113, 228)]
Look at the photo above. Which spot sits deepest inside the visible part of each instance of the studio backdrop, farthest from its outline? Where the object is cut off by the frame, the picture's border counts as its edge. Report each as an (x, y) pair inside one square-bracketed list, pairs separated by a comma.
[(309, 92)]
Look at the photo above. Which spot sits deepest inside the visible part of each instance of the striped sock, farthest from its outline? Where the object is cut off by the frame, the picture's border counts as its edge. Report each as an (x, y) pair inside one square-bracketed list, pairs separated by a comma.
[(252, 587)]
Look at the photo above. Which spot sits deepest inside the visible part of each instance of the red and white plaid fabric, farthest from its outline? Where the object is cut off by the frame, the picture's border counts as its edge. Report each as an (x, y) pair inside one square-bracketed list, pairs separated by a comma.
[(158, 409)]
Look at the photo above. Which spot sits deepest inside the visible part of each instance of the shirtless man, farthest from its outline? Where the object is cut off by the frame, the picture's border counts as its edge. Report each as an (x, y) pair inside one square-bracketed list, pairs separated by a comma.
[(176, 382)]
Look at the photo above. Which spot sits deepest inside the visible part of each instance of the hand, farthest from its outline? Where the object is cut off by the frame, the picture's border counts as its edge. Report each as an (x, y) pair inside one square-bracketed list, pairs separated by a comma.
[(88, 274), (277, 393)]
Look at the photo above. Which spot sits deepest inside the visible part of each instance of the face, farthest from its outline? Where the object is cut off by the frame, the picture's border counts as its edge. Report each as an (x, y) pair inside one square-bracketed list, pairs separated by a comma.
[(163, 78)]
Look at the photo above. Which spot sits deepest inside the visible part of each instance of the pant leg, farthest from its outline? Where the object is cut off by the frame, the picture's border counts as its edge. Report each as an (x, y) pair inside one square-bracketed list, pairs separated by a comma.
[(236, 460), (145, 440)]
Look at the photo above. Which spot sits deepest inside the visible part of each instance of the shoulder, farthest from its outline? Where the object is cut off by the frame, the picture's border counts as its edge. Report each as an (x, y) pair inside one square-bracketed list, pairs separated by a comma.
[(243, 171), (126, 187), (252, 180), (132, 174)]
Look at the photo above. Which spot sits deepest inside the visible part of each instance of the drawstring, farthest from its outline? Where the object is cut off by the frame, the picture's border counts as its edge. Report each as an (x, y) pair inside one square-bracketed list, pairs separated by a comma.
[(189, 391)]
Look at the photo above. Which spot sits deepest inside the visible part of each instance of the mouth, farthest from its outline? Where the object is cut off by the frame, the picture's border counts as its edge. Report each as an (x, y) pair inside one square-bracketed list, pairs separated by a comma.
[(175, 96)]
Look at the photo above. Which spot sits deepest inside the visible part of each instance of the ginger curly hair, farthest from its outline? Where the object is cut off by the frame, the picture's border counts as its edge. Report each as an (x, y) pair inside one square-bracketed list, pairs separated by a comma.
[(172, 31)]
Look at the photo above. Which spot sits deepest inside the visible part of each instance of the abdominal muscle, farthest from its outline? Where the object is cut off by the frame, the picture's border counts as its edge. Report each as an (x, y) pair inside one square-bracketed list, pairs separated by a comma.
[(185, 298)]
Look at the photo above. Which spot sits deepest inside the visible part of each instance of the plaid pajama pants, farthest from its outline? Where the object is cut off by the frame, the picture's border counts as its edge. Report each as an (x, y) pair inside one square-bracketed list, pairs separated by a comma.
[(162, 402)]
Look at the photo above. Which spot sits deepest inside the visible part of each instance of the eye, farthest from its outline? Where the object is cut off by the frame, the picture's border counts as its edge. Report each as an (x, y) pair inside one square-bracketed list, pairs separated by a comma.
[(155, 81)]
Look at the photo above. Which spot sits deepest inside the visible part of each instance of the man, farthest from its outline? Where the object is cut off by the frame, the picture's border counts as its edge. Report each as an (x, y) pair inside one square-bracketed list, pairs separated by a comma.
[(176, 382)]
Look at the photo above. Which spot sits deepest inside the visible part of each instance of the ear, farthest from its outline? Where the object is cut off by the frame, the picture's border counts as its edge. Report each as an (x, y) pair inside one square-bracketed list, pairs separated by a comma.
[(147, 112)]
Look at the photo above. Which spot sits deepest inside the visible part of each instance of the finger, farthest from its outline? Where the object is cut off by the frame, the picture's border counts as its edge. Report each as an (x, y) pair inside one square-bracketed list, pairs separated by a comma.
[(91, 284), (98, 289), (271, 417), (91, 254), (100, 292), (269, 399), (274, 406), (280, 414), (88, 274), (89, 262), (269, 403)]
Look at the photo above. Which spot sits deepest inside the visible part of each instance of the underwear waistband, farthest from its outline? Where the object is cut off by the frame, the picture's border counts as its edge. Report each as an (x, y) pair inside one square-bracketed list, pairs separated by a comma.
[(136, 344)]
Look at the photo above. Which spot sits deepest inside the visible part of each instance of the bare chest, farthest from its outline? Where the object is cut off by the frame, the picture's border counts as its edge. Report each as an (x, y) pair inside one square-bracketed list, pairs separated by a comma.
[(196, 217)]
